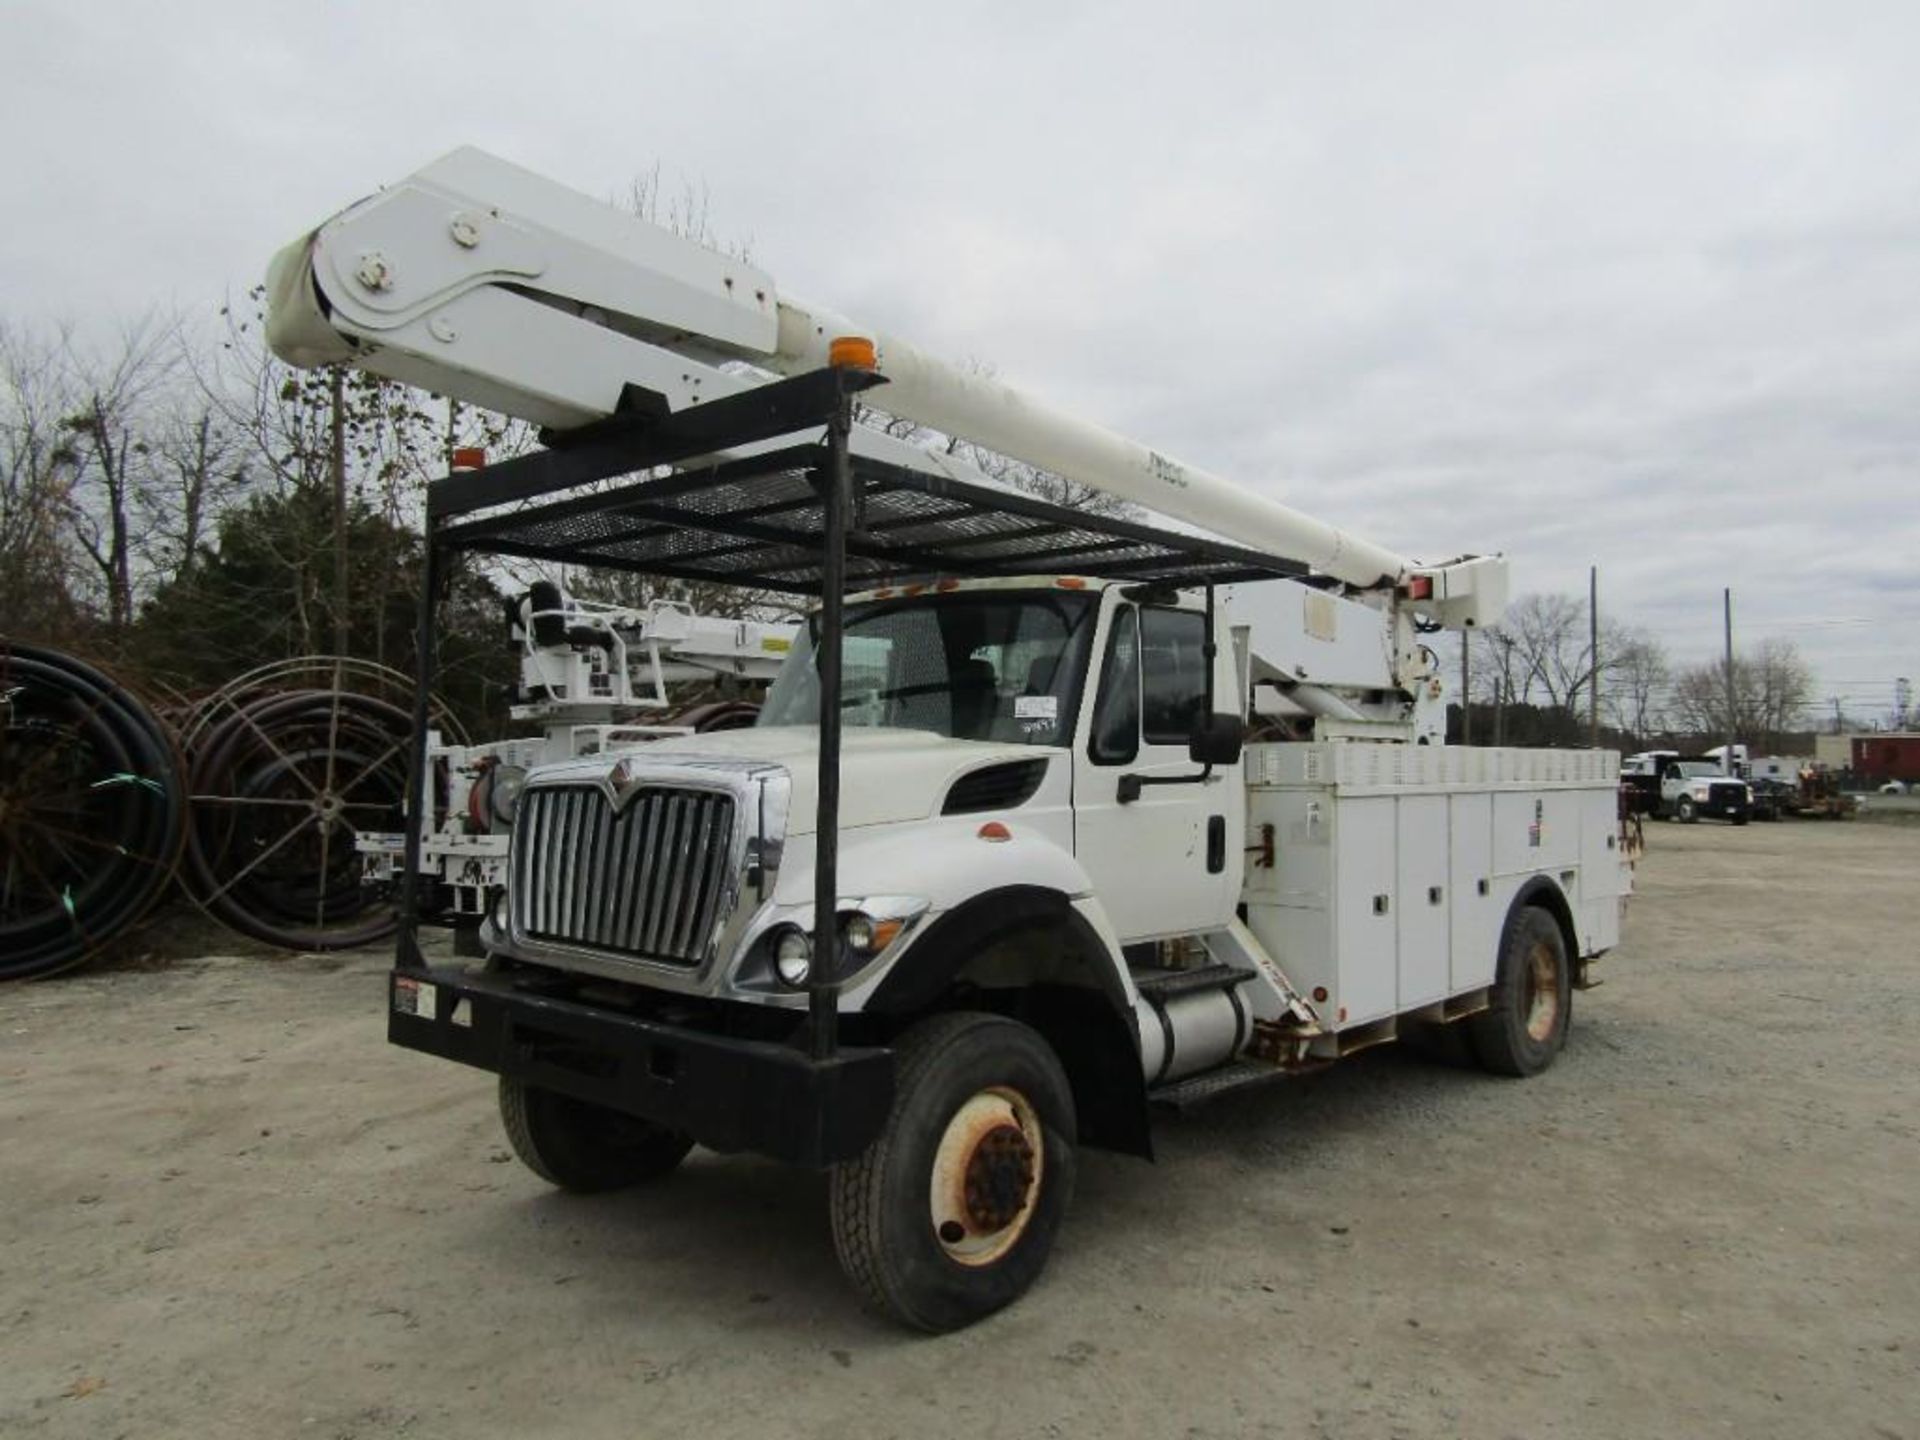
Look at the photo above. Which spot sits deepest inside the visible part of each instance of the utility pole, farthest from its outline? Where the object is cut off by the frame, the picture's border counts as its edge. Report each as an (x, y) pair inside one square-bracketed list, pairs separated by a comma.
[(337, 464), (1466, 691), (1732, 720), (1593, 650)]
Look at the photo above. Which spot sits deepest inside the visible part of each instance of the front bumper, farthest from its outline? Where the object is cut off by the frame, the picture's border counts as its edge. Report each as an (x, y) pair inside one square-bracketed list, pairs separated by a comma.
[(727, 1092), (1725, 802)]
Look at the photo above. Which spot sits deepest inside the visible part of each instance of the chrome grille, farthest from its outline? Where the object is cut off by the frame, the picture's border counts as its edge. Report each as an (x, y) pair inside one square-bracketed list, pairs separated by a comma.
[(648, 879)]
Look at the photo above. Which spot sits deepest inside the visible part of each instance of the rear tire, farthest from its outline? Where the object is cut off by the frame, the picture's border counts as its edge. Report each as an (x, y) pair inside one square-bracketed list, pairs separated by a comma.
[(1522, 1031), (951, 1213), (583, 1147)]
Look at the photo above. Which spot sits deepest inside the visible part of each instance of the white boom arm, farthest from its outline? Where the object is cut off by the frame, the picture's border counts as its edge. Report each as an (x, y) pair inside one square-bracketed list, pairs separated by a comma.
[(478, 279)]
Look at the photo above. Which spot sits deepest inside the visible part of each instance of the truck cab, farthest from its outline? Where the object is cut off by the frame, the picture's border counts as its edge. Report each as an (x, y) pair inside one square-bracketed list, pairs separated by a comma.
[(1699, 788), (1011, 748)]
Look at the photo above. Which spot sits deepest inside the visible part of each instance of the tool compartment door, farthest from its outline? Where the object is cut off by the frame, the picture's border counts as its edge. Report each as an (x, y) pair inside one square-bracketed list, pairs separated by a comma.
[(1475, 919), (1423, 887), (1365, 926)]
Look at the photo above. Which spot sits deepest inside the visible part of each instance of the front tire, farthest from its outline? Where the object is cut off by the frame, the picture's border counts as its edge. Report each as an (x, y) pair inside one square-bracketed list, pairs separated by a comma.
[(1684, 811), (583, 1147), (1521, 1033), (951, 1213)]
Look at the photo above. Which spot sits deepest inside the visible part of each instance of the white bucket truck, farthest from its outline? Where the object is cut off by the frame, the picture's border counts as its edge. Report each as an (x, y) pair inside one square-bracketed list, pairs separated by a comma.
[(1047, 818)]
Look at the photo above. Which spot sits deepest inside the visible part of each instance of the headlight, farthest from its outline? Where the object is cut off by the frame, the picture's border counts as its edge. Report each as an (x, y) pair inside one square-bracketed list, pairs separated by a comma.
[(866, 928), (508, 782), (858, 932), (866, 934), (792, 956)]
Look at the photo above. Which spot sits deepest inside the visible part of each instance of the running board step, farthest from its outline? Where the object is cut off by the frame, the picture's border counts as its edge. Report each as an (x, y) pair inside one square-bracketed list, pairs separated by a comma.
[(1196, 1090), (1166, 984)]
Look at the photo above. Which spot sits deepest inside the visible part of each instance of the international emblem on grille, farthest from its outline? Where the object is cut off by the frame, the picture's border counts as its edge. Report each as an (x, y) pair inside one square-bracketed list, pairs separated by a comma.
[(621, 780)]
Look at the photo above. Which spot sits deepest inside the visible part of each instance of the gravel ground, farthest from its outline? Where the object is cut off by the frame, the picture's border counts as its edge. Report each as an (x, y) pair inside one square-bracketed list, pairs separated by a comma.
[(227, 1208)]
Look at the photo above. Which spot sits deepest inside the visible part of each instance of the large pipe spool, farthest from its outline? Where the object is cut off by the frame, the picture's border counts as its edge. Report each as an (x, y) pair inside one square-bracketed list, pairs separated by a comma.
[(289, 764), (253, 796), (93, 809)]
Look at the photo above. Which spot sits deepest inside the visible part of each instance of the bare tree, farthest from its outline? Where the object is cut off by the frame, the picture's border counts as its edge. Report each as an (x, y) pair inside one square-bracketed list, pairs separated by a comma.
[(1779, 687), (200, 467), (1537, 665), (1699, 699), (1635, 681), (35, 487), (1772, 687), (1495, 671), (111, 397), (1550, 635)]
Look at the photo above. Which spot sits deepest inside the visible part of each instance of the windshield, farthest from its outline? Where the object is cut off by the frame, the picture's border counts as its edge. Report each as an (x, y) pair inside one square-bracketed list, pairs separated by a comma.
[(1695, 769), (979, 665)]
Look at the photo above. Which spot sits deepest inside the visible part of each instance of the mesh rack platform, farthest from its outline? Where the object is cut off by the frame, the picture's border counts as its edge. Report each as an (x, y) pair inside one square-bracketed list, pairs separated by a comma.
[(759, 520)]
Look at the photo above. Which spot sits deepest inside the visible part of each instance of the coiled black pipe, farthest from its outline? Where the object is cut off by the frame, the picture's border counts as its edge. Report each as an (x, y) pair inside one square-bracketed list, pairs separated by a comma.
[(93, 810)]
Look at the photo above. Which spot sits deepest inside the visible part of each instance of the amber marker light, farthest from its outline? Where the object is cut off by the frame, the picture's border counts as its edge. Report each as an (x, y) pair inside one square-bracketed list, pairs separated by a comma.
[(994, 831), (852, 352), (468, 457)]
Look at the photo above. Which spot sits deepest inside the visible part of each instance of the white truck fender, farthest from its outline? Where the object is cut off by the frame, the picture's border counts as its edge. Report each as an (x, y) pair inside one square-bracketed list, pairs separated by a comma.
[(1009, 880)]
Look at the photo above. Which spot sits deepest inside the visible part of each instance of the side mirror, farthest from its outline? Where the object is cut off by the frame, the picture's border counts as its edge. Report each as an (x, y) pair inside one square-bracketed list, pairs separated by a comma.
[(1216, 739)]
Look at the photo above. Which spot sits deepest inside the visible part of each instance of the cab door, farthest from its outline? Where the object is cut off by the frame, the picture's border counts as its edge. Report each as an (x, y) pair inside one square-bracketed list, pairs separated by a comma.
[(1168, 862)]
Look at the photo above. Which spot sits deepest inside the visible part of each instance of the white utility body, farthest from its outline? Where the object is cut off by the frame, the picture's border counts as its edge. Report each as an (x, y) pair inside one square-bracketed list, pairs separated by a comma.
[(1100, 843)]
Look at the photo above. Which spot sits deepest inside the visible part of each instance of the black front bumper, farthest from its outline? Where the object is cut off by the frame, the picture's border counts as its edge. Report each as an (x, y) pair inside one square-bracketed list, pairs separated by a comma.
[(728, 1093), (1728, 802)]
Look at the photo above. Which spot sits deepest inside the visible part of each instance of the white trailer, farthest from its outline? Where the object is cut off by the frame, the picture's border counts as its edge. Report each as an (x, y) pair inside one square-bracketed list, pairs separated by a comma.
[(1052, 819)]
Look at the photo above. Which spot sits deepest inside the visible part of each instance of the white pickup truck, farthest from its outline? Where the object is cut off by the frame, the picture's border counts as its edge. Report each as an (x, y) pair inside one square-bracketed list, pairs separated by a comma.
[(1690, 788)]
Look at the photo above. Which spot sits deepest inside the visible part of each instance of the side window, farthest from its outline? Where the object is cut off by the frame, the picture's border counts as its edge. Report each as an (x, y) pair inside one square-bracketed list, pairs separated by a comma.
[(1174, 674), (1115, 737)]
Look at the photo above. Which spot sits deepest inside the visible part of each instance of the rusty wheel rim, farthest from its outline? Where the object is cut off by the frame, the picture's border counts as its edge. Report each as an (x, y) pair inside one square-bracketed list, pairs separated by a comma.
[(986, 1176), (1543, 991)]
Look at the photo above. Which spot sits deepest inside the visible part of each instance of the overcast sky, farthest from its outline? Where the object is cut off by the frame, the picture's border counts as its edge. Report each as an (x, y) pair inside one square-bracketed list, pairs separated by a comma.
[(1633, 286)]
